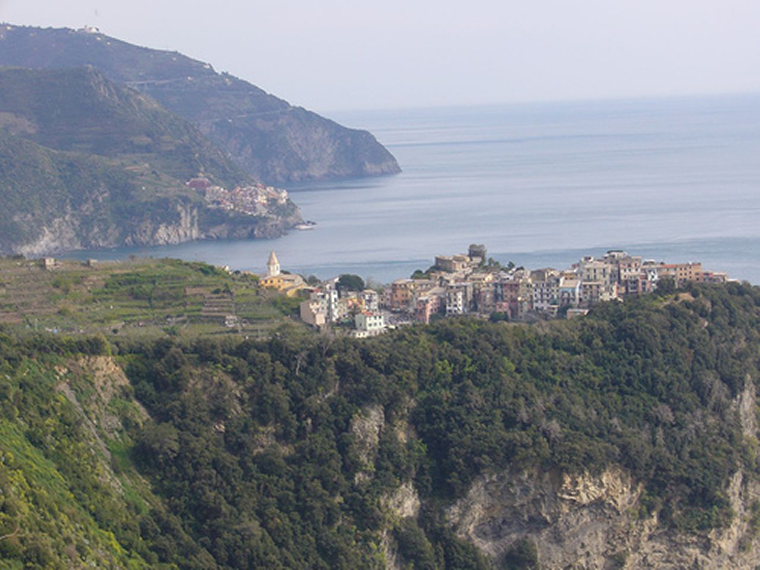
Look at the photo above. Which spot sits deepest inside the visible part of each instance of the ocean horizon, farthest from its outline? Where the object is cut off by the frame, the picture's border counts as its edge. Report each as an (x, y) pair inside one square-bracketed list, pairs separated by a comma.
[(541, 184)]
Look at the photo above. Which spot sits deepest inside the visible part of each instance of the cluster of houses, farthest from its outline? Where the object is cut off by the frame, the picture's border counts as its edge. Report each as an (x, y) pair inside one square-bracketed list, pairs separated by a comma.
[(252, 200), (474, 284), (468, 283), (330, 303)]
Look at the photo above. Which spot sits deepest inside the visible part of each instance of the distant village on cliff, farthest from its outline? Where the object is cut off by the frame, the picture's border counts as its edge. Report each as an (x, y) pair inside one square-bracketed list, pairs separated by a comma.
[(474, 284)]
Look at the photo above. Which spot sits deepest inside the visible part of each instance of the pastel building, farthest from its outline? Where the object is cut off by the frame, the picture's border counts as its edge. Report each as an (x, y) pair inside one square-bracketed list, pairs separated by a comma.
[(368, 324), (681, 272), (456, 299), (283, 282), (595, 270), (371, 300), (429, 304), (569, 292), (404, 292), (314, 311), (545, 289)]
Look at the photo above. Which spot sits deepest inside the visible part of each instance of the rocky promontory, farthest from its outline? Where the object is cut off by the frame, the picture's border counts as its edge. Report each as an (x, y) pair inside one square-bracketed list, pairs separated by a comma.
[(86, 163), (272, 140)]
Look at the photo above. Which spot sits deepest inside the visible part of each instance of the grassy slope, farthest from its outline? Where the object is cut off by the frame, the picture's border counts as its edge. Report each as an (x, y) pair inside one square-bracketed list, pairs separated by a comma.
[(71, 493), (144, 297), (61, 500)]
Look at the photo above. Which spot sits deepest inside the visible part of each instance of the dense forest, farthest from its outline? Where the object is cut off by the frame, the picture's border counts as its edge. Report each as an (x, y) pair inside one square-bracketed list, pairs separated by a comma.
[(287, 452)]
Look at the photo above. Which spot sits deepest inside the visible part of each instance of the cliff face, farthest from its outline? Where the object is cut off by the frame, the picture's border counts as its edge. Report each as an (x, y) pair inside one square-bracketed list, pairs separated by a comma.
[(274, 141), (600, 520), (587, 520), (298, 147), (597, 522), (179, 224), (86, 163)]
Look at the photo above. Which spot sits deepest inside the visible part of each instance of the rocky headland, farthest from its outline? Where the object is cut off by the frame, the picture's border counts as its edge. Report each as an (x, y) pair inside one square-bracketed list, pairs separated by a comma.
[(275, 142), (86, 163)]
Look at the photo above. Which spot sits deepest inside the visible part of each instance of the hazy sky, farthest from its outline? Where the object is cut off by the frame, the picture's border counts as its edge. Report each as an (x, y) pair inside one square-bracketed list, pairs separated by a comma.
[(341, 54)]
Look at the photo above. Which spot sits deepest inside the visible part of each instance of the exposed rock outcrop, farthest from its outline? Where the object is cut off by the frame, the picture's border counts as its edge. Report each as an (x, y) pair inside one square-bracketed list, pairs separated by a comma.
[(104, 166), (598, 521), (595, 522), (70, 232), (366, 428), (403, 503)]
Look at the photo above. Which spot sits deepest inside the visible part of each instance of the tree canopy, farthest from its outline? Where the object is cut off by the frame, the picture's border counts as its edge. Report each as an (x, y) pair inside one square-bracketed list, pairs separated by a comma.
[(351, 282), (238, 453)]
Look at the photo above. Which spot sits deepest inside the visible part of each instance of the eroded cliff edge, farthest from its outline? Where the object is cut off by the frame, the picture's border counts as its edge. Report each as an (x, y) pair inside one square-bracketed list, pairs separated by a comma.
[(86, 163), (181, 221), (598, 521)]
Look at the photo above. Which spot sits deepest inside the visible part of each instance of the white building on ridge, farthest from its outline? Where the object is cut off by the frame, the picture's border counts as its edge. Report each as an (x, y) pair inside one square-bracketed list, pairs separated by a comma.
[(273, 265)]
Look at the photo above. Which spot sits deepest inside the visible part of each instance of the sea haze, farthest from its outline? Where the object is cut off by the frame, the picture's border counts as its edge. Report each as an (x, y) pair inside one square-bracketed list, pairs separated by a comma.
[(539, 184)]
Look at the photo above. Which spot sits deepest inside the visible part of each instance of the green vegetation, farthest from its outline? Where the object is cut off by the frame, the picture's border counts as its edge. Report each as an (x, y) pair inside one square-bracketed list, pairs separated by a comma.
[(272, 140), (38, 184), (102, 165), (242, 453), (63, 502), (81, 111), (350, 282), (143, 297)]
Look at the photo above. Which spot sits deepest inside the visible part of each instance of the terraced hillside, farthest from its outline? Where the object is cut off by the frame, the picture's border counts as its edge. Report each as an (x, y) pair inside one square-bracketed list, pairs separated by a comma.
[(142, 297), (273, 140)]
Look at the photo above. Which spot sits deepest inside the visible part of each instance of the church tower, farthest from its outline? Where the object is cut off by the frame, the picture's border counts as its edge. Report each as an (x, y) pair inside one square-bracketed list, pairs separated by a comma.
[(273, 265)]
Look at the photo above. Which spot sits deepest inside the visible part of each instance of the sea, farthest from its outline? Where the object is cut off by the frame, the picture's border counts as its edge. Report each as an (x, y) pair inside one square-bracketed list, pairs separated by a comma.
[(539, 184)]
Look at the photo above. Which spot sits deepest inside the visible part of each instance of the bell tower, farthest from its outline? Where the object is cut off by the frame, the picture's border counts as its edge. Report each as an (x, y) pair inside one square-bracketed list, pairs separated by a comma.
[(273, 265)]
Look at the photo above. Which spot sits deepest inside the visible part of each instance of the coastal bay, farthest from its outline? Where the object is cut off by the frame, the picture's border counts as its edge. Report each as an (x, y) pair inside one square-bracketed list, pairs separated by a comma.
[(539, 184)]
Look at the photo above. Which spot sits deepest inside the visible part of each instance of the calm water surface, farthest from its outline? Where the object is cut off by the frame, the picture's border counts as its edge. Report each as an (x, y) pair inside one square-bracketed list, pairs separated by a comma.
[(541, 184)]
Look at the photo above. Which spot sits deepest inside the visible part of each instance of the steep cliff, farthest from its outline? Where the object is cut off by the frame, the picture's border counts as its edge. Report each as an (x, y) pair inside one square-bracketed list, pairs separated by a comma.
[(626, 439), (85, 163), (598, 521), (274, 141), (601, 520)]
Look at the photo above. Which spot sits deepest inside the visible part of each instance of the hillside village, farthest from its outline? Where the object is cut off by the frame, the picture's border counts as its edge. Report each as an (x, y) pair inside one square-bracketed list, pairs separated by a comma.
[(253, 200), (474, 284), (470, 283)]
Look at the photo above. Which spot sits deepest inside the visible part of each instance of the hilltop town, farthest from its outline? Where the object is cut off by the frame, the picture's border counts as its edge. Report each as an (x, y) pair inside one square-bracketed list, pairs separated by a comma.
[(475, 284), (471, 283)]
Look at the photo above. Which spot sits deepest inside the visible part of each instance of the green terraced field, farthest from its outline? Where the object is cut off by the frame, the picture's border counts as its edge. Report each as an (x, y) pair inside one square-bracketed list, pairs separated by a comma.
[(145, 297)]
